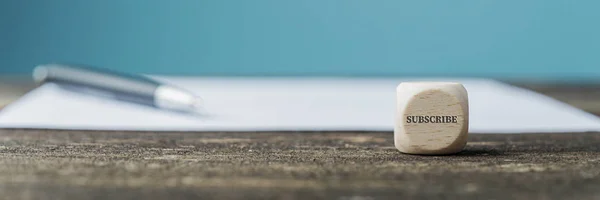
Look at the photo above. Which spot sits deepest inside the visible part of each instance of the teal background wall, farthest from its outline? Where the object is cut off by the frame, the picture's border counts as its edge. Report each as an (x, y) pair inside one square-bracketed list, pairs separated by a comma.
[(504, 38)]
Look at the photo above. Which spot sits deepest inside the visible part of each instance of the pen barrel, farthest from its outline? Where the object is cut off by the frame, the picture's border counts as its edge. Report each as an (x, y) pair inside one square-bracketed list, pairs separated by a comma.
[(126, 87)]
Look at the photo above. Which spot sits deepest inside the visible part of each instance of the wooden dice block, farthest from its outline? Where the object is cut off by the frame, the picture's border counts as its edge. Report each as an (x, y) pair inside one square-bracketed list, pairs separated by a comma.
[(432, 118)]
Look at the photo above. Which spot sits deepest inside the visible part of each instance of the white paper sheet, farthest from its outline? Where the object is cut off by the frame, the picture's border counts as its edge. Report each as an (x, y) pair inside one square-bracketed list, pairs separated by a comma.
[(297, 104)]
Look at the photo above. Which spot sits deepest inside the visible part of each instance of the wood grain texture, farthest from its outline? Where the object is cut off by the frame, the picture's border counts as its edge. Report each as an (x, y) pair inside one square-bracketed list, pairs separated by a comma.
[(39, 164)]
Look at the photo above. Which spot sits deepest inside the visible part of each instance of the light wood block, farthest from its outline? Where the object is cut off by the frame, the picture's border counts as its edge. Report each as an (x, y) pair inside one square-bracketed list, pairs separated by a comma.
[(432, 118)]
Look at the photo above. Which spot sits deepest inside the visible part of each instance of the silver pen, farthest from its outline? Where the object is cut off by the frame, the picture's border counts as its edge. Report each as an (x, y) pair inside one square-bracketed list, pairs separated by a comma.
[(127, 87)]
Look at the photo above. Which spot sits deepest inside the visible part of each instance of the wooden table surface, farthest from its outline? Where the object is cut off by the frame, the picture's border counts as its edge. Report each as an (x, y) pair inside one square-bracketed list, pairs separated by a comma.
[(50, 164)]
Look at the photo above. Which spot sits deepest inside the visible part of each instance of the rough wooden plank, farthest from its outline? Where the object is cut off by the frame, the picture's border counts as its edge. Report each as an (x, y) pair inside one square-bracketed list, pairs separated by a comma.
[(42, 164)]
